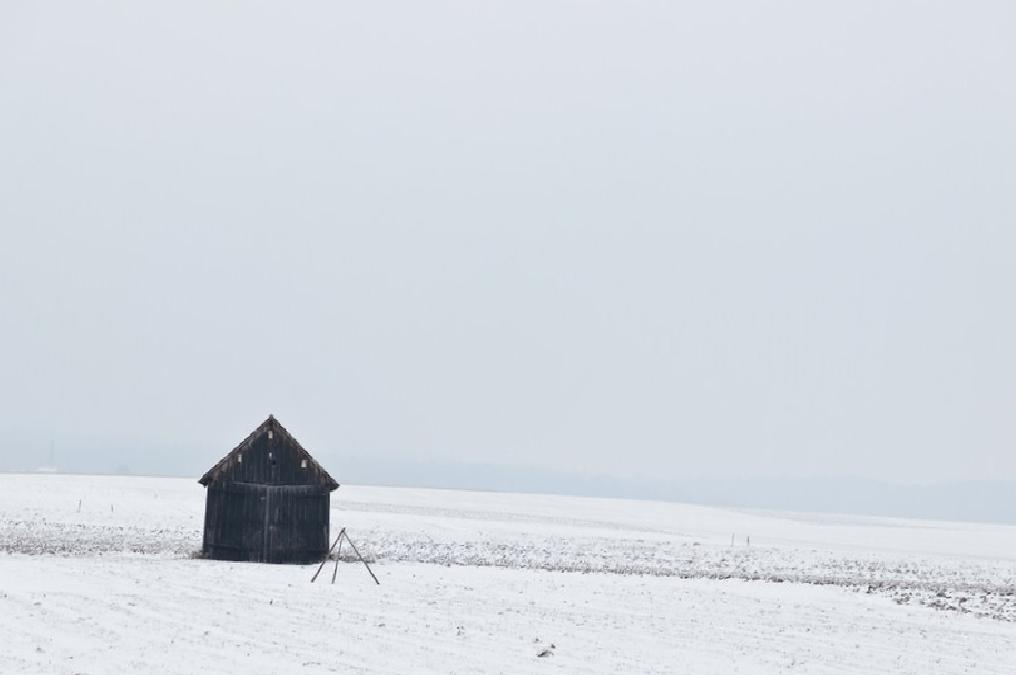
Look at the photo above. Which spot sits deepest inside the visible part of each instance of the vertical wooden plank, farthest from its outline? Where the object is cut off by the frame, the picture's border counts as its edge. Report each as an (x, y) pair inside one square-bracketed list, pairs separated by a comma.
[(265, 550)]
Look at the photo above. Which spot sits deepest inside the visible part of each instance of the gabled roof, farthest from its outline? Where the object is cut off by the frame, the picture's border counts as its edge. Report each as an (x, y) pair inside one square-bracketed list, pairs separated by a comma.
[(269, 424)]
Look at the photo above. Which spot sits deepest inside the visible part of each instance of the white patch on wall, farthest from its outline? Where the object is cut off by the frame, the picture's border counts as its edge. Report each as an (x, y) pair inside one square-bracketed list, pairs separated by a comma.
[(303, 464)]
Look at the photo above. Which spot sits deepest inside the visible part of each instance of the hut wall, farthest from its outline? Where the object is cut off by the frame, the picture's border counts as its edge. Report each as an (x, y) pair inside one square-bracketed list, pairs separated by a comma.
[(266, 523)]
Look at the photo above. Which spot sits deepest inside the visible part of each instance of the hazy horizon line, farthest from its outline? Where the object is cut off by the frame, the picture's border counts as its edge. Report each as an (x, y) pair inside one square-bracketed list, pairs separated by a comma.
[(967, 500)]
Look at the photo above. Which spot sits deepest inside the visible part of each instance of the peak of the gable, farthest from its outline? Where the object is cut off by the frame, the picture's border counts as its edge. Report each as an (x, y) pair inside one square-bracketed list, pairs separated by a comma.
[(232, 461)]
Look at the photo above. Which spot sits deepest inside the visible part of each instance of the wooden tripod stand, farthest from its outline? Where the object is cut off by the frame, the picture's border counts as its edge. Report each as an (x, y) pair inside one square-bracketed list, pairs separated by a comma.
[(338, 542)]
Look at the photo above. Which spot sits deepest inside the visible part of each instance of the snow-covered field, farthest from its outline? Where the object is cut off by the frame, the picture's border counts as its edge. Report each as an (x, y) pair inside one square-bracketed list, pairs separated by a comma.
[(96, 576)]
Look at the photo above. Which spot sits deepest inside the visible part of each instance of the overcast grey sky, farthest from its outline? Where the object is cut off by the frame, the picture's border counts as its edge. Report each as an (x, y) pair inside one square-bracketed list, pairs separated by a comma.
[(649, 239)]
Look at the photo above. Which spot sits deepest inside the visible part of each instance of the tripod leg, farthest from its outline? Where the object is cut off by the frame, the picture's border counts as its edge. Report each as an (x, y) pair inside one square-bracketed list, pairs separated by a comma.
[(361, 557), (325, 559), (338, 551)]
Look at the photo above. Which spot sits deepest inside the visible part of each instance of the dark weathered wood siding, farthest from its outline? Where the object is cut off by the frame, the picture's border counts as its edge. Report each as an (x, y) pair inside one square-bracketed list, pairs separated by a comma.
[(267, 501), (270, 460), (266, 523)]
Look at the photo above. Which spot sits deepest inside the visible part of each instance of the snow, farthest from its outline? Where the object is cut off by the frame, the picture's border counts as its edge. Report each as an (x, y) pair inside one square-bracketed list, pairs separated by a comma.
[(98, 578)]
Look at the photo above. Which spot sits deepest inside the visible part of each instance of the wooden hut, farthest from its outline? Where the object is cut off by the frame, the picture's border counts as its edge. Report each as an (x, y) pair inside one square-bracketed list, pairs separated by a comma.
[(267, 501)]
